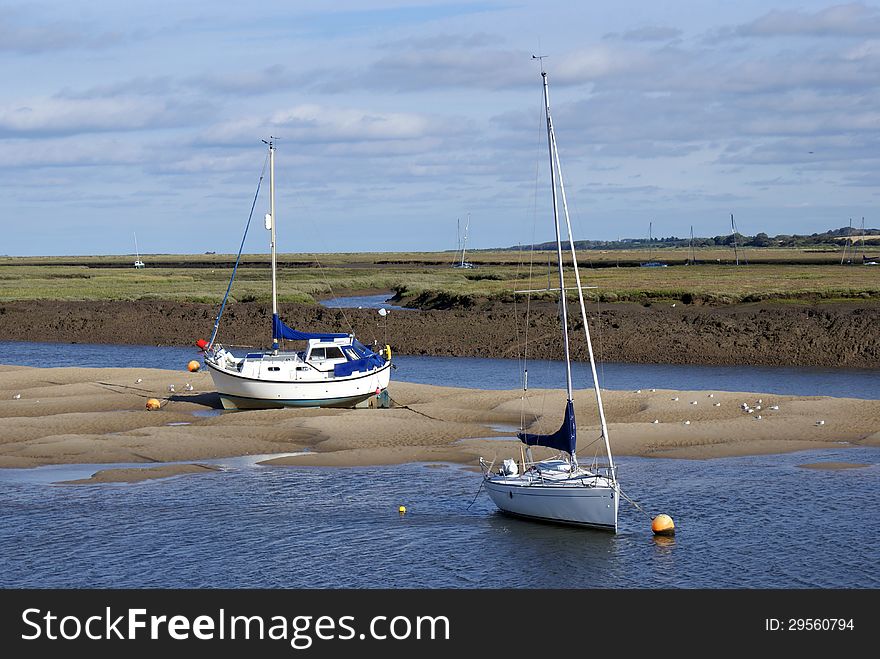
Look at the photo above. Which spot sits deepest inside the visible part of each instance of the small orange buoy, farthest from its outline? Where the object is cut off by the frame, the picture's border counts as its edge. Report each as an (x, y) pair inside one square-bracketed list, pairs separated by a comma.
[(153, 404), (193, 366), (663, 525)]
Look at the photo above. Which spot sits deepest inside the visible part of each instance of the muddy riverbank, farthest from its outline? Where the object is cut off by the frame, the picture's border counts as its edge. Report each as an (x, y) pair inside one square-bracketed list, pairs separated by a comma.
[(828, 335)]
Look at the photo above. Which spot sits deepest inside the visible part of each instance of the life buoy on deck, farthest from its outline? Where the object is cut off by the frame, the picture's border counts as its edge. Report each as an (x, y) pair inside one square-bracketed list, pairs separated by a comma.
[(387, 352)]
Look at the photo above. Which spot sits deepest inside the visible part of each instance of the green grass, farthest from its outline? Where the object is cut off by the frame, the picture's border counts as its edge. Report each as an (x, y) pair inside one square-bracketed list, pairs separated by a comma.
[(425, 278)]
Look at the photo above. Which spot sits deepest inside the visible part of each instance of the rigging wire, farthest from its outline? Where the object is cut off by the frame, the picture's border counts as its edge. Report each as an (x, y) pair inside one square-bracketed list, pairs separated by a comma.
[(238, 257)]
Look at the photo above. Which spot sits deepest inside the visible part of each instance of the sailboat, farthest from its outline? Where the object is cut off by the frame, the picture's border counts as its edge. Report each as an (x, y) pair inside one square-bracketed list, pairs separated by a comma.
[(463, 244), (331, 370), (559, 489), (137, 254), (651, 263)]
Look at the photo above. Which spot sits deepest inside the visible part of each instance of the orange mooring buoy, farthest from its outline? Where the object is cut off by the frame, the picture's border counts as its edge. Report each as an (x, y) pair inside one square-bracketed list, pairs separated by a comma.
[(663, 525), (153, 404), (193, 366)]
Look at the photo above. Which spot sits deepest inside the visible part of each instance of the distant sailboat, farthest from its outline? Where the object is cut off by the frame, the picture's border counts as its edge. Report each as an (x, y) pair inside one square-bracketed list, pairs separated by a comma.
[(651, 262), (137, 255), (462, 263)]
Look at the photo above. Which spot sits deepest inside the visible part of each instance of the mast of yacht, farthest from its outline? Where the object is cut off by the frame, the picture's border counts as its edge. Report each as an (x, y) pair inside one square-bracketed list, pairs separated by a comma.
[(845, 242), (270, 222), (562, 300), (733, 230), (467, 226), (554, 156), (692, 255)]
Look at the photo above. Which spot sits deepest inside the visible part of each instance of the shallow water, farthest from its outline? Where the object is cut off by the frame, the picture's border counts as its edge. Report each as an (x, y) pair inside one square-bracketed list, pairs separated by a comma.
[(742, 522), (756, 522), (362, 302), (496, 373)]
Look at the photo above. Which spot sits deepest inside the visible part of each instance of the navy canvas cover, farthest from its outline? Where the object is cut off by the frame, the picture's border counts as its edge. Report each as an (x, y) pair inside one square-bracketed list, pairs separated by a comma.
[(282, 331), (564, 439)]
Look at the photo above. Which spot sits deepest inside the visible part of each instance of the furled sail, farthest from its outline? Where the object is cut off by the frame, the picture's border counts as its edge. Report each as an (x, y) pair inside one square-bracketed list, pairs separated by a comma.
[(282, 331), (564, 439)]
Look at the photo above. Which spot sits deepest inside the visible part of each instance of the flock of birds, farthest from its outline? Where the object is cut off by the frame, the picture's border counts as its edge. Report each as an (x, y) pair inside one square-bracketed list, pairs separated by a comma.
[(748, 408)]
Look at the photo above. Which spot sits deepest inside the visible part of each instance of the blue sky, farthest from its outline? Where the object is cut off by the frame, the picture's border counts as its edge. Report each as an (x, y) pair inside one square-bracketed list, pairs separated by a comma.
[(397, 118)]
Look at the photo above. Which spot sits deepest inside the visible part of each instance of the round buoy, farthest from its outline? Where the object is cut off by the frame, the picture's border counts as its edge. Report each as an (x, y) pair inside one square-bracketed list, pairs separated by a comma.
[(402, 510), (193, 366), (663, 525), (153, 404)]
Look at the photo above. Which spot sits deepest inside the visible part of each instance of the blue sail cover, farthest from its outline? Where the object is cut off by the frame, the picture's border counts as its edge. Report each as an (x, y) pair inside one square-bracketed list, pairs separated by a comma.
[(564, 439), (282, 331)]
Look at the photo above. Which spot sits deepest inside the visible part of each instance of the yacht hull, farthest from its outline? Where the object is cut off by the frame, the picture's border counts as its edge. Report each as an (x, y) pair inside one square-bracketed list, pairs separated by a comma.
[(238, 392), (588, 506)]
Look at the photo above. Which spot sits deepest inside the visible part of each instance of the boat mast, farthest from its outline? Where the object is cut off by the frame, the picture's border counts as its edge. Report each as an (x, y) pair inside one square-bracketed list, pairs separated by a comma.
[(554, 150), (467, 226), (733, 231), (272, 238), (692, 255), (562, 301)]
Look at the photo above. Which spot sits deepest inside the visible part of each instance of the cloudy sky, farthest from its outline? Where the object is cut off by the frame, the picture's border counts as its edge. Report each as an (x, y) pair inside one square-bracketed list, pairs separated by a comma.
[(397, 118)]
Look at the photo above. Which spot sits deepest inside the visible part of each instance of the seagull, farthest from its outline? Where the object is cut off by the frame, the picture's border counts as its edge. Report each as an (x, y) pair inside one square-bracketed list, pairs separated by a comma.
[(653, 390), (139, 380), (758, 417), (717, 404), (676, 398), (687, 423), (656, 421), (17, 396), (170, 387), (188, 386), (638, 391), (820, 423), (774, 407), (711, 395), (693, 402)]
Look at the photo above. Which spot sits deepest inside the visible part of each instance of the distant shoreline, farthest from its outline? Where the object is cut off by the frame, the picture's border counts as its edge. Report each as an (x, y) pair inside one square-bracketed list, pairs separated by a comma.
[(842, 334)]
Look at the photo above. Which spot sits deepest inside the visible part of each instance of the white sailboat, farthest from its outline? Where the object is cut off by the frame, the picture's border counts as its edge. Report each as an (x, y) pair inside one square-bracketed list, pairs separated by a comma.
[(559, 489), (137, 254), (462, 263), (332, 370)]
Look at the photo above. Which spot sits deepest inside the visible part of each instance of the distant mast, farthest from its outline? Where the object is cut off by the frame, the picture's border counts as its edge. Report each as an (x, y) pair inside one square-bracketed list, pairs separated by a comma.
[(845, 243), (693, 256), (733, 230), (467, 226)]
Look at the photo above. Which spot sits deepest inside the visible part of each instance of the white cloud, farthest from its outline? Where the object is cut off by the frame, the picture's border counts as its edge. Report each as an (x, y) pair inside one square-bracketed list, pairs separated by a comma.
[(854, 19), (40, 117)]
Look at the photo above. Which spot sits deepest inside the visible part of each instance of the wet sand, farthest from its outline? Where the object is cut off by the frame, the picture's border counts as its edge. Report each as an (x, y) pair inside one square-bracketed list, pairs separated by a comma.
[(136, 475), (83, 415)]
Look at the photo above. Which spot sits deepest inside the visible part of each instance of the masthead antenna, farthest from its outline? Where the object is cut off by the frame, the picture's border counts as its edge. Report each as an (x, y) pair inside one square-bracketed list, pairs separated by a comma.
[(540, 58)]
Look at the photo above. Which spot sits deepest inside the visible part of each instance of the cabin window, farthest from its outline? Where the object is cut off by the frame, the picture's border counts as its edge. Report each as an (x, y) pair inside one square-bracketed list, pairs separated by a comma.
[(330, 352), (274, 368), (351, 354)]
